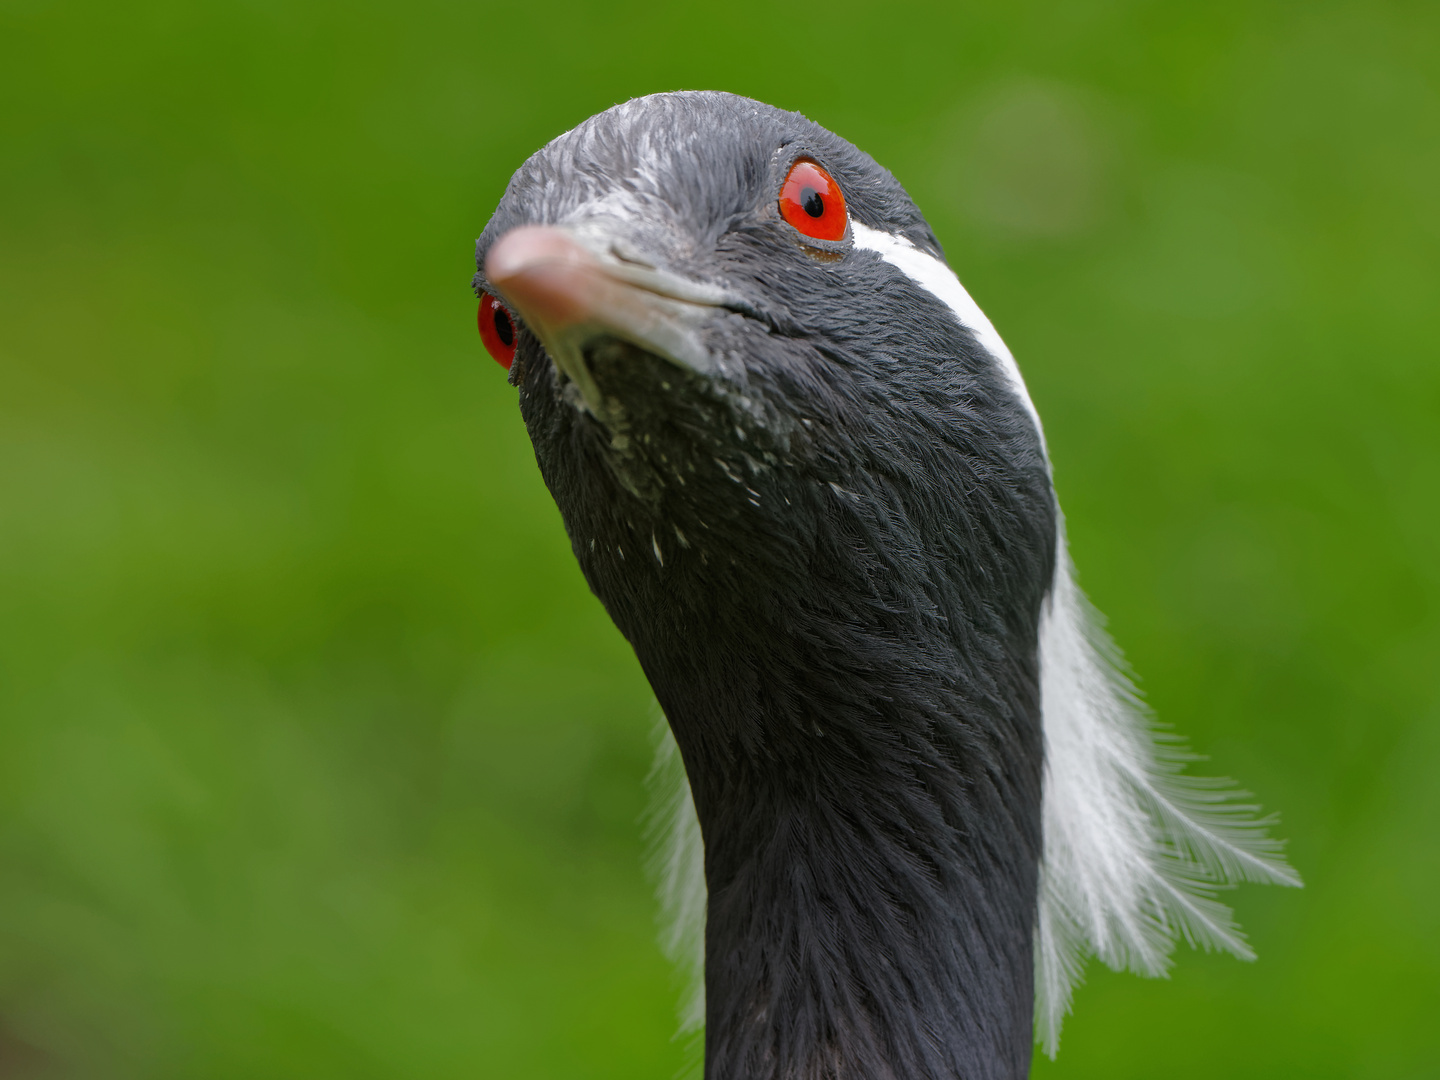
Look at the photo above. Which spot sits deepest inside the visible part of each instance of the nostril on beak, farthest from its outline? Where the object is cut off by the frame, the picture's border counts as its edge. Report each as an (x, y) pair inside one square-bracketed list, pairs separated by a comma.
[(628, 255)]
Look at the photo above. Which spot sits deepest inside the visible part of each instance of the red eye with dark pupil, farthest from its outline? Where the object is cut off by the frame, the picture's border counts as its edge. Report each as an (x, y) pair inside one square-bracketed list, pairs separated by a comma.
[(504, 329), (811, 201), (497, 330)]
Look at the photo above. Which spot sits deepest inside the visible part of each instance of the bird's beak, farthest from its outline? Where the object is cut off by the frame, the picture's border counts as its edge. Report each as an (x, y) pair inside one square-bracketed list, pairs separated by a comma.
[(569, 292)]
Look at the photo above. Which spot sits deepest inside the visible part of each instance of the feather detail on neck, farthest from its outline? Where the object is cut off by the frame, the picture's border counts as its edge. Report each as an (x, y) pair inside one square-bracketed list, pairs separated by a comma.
[(1135, 849)]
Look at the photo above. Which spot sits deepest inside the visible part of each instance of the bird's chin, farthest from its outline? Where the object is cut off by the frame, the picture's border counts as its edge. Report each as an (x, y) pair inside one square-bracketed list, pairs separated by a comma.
[(662, 435), (614, 372), (656, 417)]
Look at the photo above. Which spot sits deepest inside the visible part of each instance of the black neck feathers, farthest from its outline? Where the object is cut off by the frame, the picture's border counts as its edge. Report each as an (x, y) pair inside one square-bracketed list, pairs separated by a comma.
[(869, 791), (849, 667)]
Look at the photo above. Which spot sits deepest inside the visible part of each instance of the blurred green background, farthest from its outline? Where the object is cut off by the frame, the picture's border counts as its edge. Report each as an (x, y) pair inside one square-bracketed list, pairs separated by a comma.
[(317, 759)]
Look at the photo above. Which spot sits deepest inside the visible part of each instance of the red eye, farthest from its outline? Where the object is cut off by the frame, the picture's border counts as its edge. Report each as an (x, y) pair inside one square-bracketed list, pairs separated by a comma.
[(811, 201), (497, 331)]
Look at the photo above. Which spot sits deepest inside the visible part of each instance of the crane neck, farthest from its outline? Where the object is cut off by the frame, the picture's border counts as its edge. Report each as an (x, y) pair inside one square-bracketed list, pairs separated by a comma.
[(872, 845)]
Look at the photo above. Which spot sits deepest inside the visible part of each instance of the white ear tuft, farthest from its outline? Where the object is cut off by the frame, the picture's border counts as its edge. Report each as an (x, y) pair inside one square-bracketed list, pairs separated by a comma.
[(1134, 850)]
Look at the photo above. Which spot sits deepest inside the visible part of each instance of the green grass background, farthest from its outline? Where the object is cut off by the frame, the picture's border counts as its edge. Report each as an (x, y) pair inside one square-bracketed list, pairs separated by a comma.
[(317, 759)]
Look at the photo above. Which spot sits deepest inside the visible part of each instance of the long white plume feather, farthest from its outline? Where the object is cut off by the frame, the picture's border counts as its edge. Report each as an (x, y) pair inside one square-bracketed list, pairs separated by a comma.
[(1134, 850)]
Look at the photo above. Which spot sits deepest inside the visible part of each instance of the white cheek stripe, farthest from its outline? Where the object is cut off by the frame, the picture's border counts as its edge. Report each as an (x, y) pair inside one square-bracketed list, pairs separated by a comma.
[(940, 281)]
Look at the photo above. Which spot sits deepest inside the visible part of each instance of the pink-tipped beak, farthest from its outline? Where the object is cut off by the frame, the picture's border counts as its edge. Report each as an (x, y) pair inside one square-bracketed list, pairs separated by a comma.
[(551, 280)]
